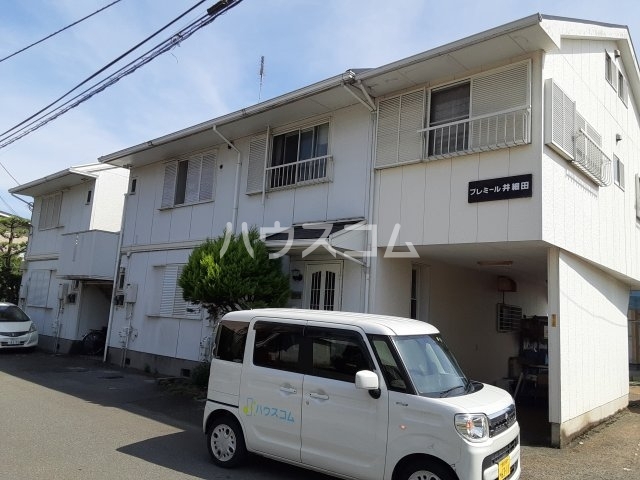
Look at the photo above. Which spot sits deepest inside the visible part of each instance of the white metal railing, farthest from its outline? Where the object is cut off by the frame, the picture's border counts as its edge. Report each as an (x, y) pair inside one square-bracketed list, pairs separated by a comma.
[(313, 170), (592, 160), (484, 132)]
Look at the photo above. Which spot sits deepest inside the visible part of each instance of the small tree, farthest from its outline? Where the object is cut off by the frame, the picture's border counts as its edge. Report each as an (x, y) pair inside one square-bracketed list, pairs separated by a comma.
[(223, 276), (13, 234)]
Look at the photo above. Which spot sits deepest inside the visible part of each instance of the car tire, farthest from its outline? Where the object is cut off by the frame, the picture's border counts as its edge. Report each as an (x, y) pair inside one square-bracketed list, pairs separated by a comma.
[(425, 470), (226, 442)]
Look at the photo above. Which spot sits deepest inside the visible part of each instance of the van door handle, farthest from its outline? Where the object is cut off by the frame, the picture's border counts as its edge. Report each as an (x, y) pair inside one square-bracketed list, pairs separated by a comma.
[(288, 390), (319, 396)]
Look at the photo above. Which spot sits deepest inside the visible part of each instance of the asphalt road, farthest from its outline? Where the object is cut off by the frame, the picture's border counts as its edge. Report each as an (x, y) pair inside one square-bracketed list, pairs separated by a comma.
[(72, 418), (76, 418)]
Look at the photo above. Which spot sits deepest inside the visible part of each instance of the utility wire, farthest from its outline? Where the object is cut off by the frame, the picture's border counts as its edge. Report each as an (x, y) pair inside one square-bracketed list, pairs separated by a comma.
[(110, 64), (57, 32), (9, 173), (212, 13)]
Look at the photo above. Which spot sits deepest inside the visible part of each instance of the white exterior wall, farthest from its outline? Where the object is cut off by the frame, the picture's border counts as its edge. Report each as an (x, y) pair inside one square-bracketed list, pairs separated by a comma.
[(108, 199), (596, 223), (157, 237), (587, 346), (429, 199)]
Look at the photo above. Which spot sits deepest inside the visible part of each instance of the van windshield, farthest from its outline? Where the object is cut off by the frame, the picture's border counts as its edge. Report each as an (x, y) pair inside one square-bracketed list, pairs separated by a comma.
[(432, 367)]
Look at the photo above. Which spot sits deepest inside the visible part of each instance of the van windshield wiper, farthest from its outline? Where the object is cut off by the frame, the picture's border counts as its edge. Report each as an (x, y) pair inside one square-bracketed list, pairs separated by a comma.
[(447, 392)]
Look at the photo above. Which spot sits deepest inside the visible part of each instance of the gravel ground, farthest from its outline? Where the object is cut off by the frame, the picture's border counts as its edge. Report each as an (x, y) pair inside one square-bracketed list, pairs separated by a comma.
[(610, 451)]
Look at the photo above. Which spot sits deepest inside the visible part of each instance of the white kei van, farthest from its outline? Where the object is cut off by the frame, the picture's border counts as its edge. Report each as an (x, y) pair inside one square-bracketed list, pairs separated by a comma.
[(355, 396)]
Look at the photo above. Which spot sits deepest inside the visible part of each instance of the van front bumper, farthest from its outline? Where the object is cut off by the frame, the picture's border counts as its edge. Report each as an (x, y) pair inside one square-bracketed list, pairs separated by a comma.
[(485, 457)]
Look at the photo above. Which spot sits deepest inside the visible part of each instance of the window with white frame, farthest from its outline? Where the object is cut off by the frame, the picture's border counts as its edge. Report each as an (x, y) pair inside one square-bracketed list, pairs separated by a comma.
[(573, 137), (622, 88), (172, 303), (618, 172), (487, 111), (38, 288), (50, 211), (299, 156), (608, 69), (189, 180)]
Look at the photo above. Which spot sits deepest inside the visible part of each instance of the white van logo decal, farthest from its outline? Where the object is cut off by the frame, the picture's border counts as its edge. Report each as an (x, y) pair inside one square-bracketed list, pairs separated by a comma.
[(253, 408)]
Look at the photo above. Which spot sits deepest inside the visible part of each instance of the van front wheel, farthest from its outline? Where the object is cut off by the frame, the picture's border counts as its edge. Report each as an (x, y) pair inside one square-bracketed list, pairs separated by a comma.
[(226, 442), (425, 470)]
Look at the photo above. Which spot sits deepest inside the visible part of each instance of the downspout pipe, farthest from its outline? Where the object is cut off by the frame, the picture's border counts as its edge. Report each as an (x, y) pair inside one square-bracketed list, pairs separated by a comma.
[(236, 194), (115, 280)]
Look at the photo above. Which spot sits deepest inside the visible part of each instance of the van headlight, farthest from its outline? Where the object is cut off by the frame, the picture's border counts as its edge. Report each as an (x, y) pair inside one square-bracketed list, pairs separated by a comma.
[(472, 426)]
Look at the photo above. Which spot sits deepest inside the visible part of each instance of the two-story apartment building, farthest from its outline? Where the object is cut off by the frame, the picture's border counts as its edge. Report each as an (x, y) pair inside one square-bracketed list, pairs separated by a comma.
[(70, 261), (503, 168)]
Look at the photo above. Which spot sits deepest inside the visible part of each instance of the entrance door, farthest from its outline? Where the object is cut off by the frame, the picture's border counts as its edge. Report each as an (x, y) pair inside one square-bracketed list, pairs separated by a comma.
[(323, 286)]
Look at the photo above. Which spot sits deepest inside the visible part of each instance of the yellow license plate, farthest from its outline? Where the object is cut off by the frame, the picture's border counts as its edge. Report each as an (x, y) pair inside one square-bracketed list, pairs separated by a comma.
[(504, 468)]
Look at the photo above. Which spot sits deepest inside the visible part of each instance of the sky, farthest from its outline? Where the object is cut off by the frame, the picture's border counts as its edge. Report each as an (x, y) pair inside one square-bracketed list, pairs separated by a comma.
[(215, 71)]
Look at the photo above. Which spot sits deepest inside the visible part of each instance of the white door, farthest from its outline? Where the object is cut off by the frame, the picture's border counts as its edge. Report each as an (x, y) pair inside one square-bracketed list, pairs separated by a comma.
[(271, 389), (323, 286), (344, 430)]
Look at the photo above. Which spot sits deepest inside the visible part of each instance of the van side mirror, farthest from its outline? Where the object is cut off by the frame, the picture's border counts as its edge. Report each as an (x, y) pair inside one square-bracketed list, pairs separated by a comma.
[(368, 380)]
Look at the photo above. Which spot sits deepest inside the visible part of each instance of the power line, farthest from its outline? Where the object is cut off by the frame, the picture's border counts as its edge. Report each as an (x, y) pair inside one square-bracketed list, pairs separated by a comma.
[(57, 32), (9, 173), (110, 64), (213, 12)]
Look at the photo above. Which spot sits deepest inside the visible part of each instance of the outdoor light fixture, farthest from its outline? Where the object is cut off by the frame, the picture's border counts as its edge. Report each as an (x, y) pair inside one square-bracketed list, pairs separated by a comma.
[(296, 275)]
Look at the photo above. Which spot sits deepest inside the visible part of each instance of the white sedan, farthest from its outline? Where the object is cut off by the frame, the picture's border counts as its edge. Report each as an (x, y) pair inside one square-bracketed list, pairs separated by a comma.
[(16, 328)]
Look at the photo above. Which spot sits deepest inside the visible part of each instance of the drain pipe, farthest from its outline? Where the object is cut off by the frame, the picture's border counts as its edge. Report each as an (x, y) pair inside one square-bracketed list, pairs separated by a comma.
[(236, 193), (115, 280)]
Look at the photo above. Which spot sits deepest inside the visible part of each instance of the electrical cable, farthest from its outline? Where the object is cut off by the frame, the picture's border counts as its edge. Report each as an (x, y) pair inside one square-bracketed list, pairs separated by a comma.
[(212, 13), (57, 32), (103, 68)]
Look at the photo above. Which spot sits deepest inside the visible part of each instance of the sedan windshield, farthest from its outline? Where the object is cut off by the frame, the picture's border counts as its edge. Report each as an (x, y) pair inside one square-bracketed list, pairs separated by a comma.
[(11, 313), (433, 370)]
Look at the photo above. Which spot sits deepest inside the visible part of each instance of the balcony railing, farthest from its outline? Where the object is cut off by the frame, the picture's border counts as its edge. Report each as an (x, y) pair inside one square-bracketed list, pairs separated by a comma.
[(478, 134), (303, 172), (88, 255), (591, 159)]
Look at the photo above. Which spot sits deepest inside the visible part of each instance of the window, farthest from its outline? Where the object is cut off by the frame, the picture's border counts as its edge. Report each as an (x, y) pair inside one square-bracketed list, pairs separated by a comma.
[(50, 211), (608, 69), (488, 111), (299, 156), (189, 180), (618, 172), (231, 338), (337, 354), (39, 288), (172, 303), (391, 368), (622, 89), (89, 195), (415, 287), (277, 346), (448, 106), (133, 187)]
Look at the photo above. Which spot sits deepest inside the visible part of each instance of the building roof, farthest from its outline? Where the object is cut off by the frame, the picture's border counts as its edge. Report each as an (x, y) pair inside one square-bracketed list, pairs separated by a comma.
[(66, 178), (527, 35)]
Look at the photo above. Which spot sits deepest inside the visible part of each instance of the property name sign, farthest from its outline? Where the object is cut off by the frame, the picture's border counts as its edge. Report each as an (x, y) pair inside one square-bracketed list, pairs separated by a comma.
[(503, 188)]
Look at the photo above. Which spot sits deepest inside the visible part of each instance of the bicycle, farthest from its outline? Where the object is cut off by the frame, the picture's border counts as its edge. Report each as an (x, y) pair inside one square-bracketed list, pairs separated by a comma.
[(94, 341)]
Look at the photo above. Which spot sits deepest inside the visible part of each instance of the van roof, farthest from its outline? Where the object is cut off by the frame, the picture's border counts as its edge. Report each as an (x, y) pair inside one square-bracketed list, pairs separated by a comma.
[(369, 323)]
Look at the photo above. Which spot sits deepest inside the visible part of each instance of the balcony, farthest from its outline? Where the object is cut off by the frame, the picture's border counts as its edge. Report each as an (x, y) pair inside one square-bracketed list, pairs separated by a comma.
[(478, 134), (88, 255), (591, 159), (303, 172)]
